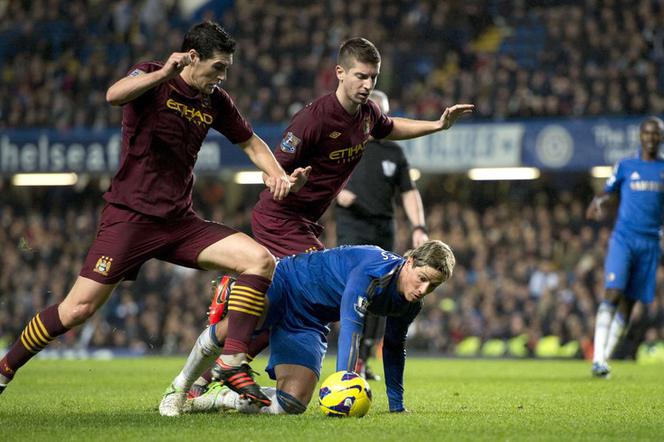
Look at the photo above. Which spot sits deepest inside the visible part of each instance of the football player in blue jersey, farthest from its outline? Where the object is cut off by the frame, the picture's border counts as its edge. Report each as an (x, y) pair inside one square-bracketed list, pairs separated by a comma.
[(309, 291), (634, 247)]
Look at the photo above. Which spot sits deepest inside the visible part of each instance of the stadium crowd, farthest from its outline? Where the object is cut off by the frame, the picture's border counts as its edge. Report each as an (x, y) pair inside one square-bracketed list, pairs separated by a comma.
[(511, 58), (527, 281), (527, 271)]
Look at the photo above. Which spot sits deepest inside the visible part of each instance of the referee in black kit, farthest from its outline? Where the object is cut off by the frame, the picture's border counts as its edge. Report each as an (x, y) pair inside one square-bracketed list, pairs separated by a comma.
[(365, 212)]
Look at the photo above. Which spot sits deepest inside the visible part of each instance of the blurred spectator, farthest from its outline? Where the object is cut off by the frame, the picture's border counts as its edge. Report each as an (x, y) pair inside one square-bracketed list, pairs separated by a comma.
[(522, 271), (511, 60)]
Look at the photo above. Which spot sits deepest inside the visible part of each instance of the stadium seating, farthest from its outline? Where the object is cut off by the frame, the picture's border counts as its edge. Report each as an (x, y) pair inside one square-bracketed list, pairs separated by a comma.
[(527, 270), (490, 307), (511, 58)]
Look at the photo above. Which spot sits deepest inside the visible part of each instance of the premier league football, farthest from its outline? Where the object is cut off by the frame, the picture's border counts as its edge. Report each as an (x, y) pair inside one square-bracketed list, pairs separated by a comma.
[(344, 394)]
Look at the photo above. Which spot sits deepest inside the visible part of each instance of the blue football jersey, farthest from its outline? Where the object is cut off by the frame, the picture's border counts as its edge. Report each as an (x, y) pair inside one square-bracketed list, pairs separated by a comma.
[(343, 284), (641, 186)]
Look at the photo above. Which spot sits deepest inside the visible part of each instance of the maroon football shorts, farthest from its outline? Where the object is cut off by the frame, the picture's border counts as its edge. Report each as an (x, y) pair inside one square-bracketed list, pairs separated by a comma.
[(126, 239), (285, 237)]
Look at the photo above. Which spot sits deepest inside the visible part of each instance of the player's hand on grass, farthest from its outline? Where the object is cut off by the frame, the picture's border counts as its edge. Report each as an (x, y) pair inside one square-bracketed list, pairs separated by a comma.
[(299, 177), (451, 114), (346, 198), (175, 63)]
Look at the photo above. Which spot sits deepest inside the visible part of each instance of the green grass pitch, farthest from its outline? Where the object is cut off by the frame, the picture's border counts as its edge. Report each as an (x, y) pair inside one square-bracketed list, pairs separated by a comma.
[(448, 400)]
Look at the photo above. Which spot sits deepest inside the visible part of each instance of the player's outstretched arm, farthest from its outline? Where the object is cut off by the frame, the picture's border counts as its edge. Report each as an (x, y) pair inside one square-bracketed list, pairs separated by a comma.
[(406, 128), (138, 82), (595, 210), (274, 176)]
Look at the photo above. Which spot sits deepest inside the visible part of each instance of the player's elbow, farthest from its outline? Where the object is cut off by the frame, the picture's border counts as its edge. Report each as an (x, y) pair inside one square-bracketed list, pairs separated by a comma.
[(114, 98)]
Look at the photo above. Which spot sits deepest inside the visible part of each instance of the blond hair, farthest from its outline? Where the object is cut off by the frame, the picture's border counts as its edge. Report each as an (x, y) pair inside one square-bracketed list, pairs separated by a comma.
[(435, 254)]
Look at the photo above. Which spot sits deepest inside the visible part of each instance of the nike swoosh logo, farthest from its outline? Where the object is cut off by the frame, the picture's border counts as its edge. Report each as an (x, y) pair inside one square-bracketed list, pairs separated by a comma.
[(359, 389)]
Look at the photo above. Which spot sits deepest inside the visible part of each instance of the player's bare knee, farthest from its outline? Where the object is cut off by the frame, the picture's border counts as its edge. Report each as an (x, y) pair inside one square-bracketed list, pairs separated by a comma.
[(77, 314), (290, 403), (298, 388), (264, 263)]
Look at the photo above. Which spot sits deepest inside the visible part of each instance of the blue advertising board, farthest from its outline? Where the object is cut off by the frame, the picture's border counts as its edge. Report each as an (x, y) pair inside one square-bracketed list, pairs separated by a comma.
[(98, 152), (548, 144), (579, 144)]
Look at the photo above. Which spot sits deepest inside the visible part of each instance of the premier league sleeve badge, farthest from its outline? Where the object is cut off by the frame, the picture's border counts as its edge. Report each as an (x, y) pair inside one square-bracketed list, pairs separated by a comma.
[(290, 143)]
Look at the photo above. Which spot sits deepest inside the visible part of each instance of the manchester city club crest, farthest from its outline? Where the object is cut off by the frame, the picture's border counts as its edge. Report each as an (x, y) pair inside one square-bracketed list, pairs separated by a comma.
[(103, 265)]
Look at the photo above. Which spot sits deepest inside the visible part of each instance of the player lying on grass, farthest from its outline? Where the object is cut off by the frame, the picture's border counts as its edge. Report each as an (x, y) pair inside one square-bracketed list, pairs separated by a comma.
[(309, 291)]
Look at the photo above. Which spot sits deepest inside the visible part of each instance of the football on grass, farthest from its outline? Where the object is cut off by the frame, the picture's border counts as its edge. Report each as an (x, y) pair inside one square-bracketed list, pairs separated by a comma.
[(344, 393)]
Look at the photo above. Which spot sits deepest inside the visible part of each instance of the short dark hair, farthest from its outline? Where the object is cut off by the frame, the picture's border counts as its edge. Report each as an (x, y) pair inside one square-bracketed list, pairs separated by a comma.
[(359, 49), (654, 120), (206, 38)]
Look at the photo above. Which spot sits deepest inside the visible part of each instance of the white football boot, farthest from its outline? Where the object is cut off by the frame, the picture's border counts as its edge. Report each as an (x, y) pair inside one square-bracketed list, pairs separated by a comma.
[(173, 401)]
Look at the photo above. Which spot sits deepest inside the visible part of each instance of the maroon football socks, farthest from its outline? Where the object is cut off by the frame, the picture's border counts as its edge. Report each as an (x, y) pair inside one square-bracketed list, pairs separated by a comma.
[(39, 332), (245, 307)]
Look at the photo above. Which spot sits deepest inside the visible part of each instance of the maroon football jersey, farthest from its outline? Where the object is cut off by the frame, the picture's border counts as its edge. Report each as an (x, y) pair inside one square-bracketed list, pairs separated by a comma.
[(162, 132), (330, 140)]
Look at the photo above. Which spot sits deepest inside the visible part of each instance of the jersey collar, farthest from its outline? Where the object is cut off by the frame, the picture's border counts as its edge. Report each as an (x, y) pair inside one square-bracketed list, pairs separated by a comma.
[(185, 89)]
